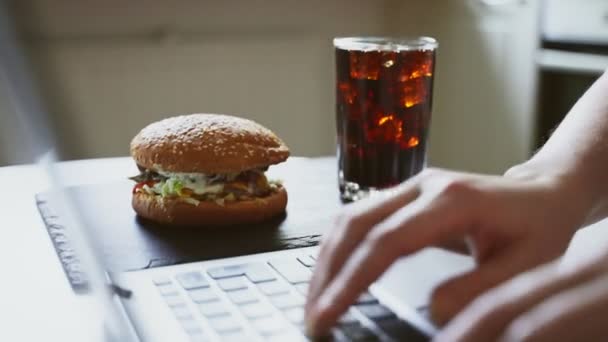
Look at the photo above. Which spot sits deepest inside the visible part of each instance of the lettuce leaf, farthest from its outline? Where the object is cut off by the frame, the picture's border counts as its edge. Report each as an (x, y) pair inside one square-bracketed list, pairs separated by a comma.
[(171, 187)]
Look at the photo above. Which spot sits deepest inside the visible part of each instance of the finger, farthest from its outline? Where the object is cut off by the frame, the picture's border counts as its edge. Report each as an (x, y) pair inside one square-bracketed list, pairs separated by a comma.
[(354, 226), (458, 245), (344, 289), (576, 314), (497, 266), (388, 240), (453, 295), (351, 229), (487, 317)]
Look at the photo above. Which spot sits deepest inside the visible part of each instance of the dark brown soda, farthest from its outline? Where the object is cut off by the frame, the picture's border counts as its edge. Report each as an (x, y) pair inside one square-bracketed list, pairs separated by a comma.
[(383, 106)]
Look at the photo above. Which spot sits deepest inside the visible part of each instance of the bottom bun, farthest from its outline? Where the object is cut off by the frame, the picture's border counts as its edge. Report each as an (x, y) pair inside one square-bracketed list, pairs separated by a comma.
[(173, 211)]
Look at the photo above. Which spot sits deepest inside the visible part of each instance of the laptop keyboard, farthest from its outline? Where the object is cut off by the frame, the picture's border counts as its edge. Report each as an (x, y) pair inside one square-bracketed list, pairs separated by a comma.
[(266, 300)]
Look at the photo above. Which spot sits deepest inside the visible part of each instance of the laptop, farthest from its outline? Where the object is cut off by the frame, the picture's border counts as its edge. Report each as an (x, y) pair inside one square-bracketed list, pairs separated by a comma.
[(246, 298)]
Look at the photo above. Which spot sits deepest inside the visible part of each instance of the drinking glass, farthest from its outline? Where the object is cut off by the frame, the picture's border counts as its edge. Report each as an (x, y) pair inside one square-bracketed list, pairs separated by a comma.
[(384, 92)]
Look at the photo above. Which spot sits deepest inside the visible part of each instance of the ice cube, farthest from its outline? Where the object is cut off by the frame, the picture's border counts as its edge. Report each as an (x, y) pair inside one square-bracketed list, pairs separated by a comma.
[(413, 141), (363, 106), (348, 92), (365, 65), (413, 126), (415, 64), (353, 111), (413, 92), (384, 128)]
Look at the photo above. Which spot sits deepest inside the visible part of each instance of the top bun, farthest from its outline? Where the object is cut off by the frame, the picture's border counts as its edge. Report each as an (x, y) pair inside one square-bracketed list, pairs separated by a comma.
[(206, 143)]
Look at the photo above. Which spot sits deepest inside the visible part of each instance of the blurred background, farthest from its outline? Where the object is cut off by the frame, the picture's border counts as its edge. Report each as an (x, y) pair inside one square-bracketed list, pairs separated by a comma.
[(507, 70)]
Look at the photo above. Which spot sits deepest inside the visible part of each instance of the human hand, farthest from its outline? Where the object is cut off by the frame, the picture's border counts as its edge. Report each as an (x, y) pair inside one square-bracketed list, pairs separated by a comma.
[(549, 303), (510, 225)]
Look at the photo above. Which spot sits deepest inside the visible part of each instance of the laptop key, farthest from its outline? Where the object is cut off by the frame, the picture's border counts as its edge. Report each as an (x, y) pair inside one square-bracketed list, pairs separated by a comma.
[(338, 336), (191, 326), (223, 324), (203, 295), (366, 298), (168, 290), (174, 300), (347, 319), (268, 325), (182, 312), (334, 335), (231, 284), (401, 330), (424, 312), (307, 261), (162, 280), (244, 296), (292, 270), (303, 329), (212, 309), (198, 337), (227, 271), (375, 311), (192, 280), (256, 310), (272, 288), (235, 336), (287, 300), (302, 288), (287, 335), (295, 315), (358, 332), (258, 273)]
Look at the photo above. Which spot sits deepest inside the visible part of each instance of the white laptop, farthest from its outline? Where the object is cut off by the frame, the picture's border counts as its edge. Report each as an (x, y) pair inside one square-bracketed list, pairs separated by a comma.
[(254, 297)]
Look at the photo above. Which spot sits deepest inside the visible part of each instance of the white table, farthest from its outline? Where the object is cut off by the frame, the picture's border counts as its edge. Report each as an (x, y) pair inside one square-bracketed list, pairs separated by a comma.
[(37, 303)]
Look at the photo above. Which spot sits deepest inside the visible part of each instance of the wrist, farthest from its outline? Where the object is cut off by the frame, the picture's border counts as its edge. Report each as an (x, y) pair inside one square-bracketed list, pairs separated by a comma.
[(575, 195)]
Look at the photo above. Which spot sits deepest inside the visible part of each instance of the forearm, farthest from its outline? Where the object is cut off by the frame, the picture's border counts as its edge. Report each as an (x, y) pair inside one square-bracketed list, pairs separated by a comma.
[(577, 153)]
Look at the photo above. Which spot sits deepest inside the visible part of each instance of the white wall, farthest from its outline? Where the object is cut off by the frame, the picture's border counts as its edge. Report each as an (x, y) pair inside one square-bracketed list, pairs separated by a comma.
[(109, 67), (10, 141), (483, 114)]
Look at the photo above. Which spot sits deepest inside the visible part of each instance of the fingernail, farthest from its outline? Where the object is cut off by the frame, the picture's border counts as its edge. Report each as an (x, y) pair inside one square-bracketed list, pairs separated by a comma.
[(310, 327), (318, 310), (311, 320)]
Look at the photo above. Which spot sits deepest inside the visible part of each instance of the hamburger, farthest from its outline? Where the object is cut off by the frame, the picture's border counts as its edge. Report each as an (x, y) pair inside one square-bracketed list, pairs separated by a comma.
[(207, 169)]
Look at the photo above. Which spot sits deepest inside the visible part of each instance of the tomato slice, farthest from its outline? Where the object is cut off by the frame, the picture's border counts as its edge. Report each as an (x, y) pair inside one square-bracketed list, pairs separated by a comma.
[(140, 185)]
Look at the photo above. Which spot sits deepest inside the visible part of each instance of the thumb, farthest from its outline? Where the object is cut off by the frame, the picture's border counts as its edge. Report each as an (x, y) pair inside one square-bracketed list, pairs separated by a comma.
[(453, 295)]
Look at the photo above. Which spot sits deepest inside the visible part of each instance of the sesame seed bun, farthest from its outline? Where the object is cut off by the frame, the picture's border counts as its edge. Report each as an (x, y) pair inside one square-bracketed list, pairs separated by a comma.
[(173, 211), (206, 143)]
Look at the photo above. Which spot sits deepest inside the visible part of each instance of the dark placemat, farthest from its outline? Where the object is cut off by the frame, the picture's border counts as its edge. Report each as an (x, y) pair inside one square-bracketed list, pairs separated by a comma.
[(130, 243)]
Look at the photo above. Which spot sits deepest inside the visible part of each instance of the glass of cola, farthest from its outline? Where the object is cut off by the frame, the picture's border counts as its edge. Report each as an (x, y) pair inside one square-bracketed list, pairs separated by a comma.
[(384, 91)]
